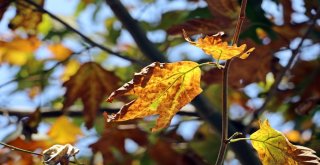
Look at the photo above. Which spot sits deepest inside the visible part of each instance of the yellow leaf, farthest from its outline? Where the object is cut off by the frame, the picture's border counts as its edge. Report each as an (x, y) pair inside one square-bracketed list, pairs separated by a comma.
[(161, 89), (63, 131), (27, 16), (59, 51), (89, 84), (71, 68), (18, 51), (214, 46), (274, 148)]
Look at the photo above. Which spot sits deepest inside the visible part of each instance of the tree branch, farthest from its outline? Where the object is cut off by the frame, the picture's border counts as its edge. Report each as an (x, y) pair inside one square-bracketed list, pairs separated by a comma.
[(243, 150), (225, 110), (138, 34), (74, 113), (87, 39)]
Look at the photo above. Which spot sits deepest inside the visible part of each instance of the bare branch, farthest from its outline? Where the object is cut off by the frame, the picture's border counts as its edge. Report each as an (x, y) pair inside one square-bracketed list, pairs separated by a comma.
[(88, 40)]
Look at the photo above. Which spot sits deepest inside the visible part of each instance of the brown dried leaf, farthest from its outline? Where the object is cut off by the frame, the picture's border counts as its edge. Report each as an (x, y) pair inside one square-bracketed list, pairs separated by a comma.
[(90, 84), (114, 138), (161, 89)]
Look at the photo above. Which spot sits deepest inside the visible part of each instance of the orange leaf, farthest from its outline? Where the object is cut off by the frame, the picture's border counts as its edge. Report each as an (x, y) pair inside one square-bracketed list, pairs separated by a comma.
[(213, 45), (23, 158), (18, 51), (274, 148), (161, 89), (27, 17), (60, 52), (90, 84), (63, 131)]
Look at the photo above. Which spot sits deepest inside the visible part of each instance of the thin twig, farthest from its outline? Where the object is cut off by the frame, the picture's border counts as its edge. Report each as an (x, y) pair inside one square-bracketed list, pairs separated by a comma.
[(74, 113), (19, 149), (88, 40), (225, 111), (295, 53)]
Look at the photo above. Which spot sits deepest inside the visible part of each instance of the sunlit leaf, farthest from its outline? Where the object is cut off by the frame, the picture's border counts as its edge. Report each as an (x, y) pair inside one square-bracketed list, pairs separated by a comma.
[(46, 25), (18, 50), (214, 46), (59, 154), (63, 131), (27, 16), (90, 84), (161, 89), (274, 148), (59, 51), (70, 69)]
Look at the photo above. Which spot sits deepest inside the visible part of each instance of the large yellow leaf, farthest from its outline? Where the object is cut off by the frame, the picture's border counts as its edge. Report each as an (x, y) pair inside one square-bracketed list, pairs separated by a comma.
[(27, 16), (214, 46), (90, 84), (274, 148), (19, 50), (63, 131), (161, 89)]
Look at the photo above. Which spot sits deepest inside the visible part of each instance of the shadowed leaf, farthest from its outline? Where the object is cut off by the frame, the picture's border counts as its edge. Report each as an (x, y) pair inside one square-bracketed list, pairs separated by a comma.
[(90, 84)]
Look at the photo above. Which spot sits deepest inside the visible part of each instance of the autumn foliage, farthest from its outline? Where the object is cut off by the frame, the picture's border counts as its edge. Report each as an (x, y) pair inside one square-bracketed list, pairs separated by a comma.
[(187, 73)]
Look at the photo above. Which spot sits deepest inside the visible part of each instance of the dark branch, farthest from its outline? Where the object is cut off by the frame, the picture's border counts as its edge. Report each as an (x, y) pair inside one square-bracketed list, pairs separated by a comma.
[(138, 34), (74, 113)]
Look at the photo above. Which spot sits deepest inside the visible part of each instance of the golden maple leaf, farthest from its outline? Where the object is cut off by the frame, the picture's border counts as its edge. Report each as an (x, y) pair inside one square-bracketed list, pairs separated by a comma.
[(214, 46), (63, 131), (161, 89), (27, 16), (90, 84), (274, 148), (19, 50)]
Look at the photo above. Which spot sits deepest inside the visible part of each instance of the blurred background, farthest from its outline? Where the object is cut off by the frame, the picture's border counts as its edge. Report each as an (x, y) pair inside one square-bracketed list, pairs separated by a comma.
[(41, 50)]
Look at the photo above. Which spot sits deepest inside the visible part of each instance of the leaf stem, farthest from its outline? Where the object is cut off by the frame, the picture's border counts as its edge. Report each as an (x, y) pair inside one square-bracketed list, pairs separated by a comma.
[(225, 112), (19, 149), (238, 139)]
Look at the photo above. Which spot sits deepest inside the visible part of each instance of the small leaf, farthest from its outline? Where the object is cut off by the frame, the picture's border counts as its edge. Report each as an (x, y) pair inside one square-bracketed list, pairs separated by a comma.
[(90, 84), (213, 45), (59, 51), (59, 154), (63, 131), (274, 148), (27, 17), (161, 89)]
